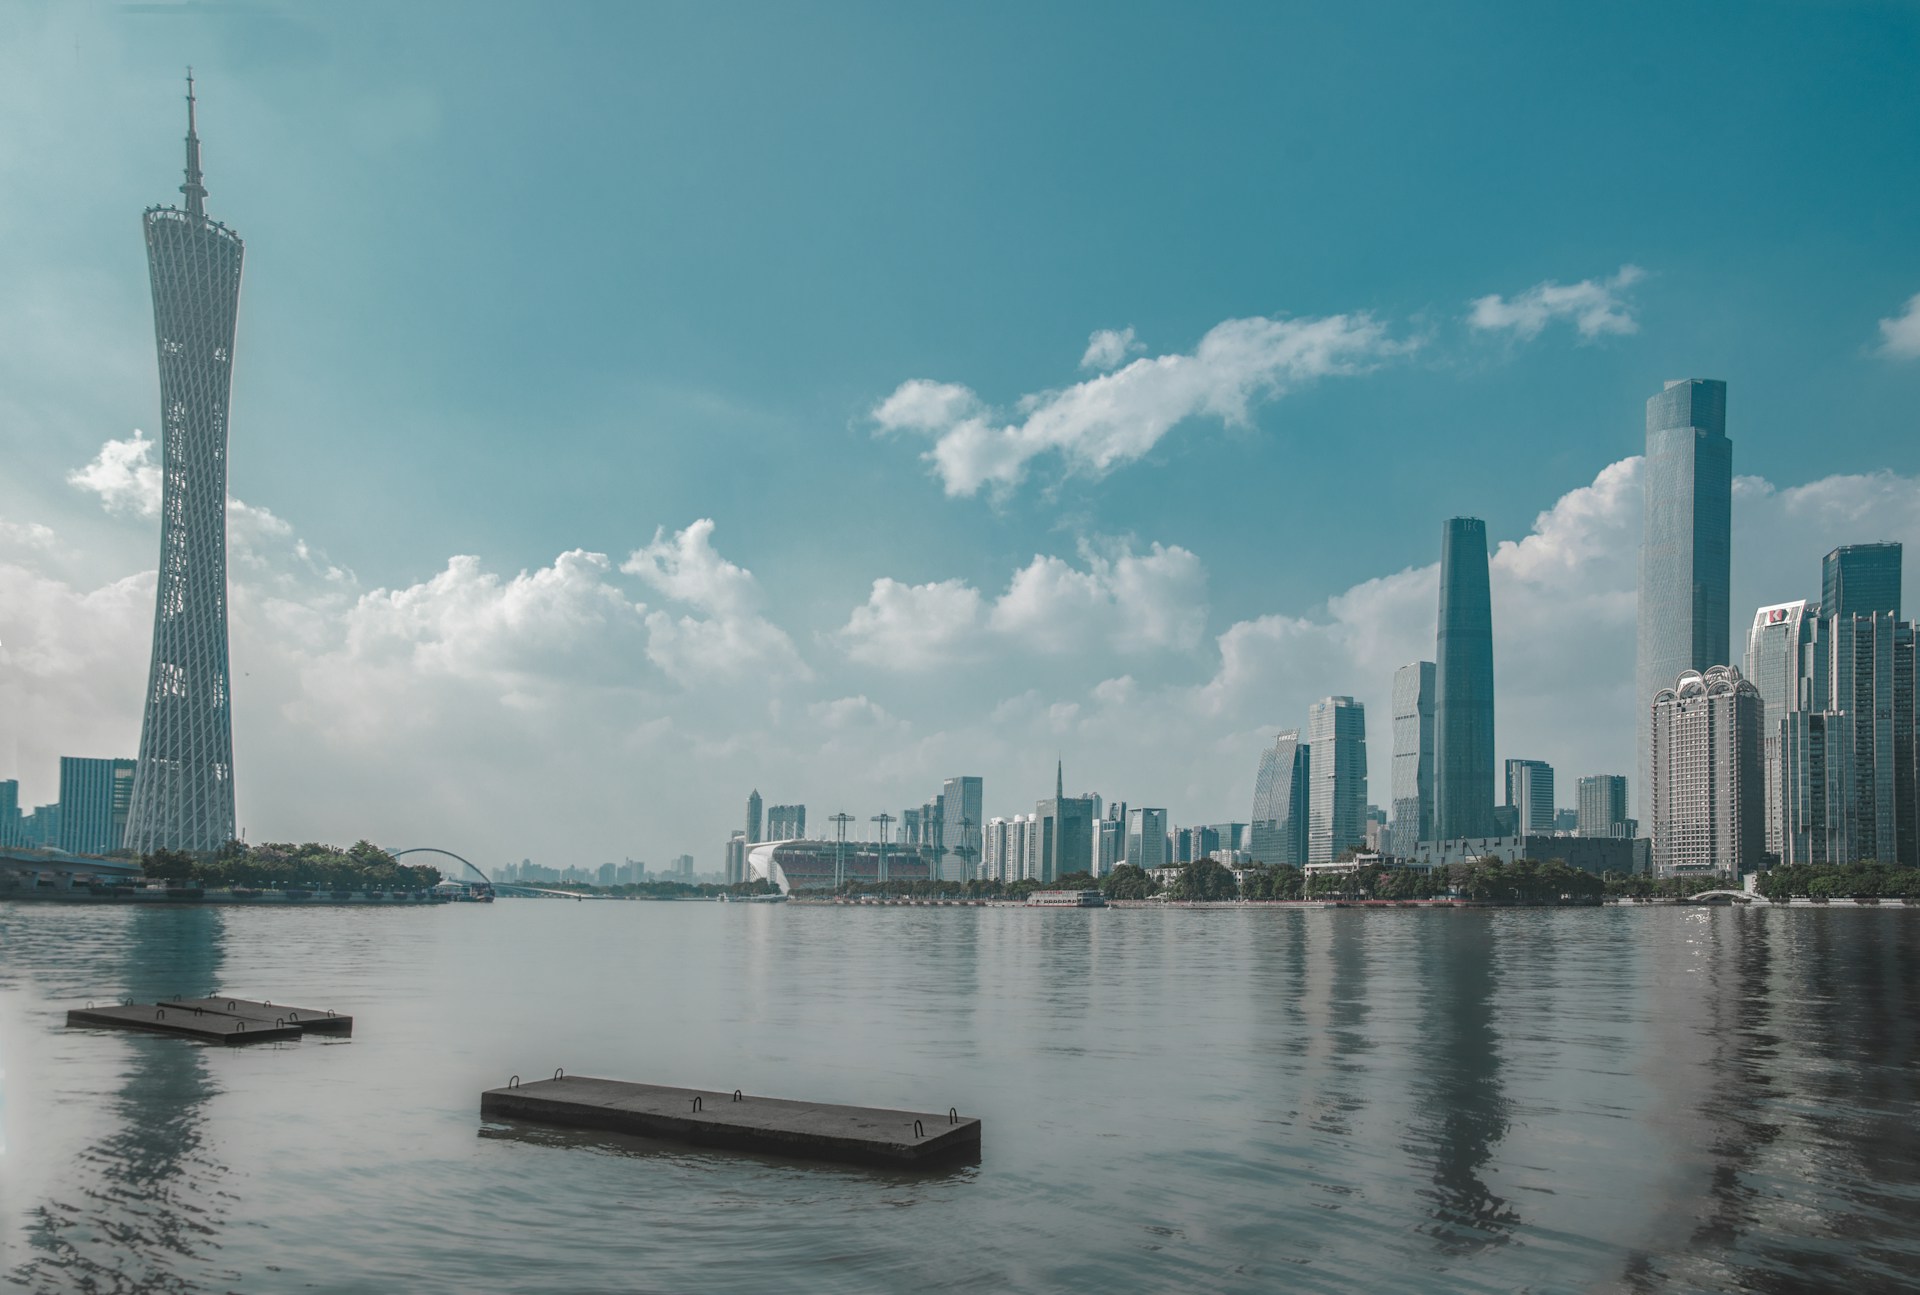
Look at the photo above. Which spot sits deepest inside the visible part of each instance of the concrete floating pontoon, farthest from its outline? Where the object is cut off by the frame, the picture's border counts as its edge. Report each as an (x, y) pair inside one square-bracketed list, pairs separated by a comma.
[(182, 1020), (308, 1020), (810, 1130)]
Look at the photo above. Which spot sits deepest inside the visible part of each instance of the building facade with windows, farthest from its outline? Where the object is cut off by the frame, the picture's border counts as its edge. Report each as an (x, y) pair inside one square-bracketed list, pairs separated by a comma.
[(1411, 811), (1463, 770), (1707, 800), (1337, 797)]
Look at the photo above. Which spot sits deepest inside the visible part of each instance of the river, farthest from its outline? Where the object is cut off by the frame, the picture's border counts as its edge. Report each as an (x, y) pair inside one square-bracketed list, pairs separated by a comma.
[(1310, 1100)]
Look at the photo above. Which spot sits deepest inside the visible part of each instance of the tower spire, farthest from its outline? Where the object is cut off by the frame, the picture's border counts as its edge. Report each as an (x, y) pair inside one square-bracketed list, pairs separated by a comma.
[(196, 192), (1060, 780)]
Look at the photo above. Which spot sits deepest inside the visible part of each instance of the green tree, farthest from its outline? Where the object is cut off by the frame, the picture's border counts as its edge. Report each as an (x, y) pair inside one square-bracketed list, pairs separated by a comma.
[(1204, 880), (1128, 881)]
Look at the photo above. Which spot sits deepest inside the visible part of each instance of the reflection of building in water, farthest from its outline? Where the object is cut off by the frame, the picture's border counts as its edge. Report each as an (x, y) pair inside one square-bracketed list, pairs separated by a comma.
[(1461, 1105), (138, 1209)]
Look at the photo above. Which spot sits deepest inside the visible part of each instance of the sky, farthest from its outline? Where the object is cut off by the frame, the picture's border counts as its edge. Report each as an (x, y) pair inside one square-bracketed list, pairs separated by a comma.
[(636, 405)]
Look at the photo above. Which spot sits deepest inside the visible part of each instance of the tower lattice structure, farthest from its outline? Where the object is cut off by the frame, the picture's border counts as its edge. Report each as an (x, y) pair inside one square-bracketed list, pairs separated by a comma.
[(183, 784)]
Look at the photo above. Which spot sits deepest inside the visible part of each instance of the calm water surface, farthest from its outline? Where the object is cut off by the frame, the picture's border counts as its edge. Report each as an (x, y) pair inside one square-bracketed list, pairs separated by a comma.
[(1311, 1101)]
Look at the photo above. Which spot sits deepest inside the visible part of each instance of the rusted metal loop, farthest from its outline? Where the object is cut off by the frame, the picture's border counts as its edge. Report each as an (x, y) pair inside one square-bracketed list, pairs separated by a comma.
[(199, 1011), (293, 1016), (696, 1103), (231, 1004), (159, 1013), (239, 1027), (953, 1114), (266, 1002), (279, 1022), (559, 1072), (736, 1094), (918, 1131), (514, 1082), (329, 1011)]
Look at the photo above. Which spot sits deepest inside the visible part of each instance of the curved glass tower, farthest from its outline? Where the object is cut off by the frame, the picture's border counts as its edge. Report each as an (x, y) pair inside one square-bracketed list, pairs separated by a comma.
[(1463, 686), (183, 784)]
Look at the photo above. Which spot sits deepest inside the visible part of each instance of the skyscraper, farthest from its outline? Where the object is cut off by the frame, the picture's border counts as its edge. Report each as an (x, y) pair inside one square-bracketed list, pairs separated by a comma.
[(95, 796), (963, 803), (1463, 791), (786, 822), (1147, 838), (1278, 833), (1787, 667), (1870, 679), (183, 784), (1706, 798), (1530, 796), (1064, 833), (1412, 808), (9, 813), (1603, 805), (1685, 544), (1337, 801), (753, 817), (1861, 579)]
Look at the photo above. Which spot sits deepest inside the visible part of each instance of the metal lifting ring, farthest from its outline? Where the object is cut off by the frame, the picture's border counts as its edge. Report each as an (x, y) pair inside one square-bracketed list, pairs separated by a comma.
[(918, 1132), (159, 1013), (736, 1094), (559, 1072), (696, 1103), (293, 1016), (953, 1114), (514, 1082), (231, 1004), (279, 1022), (239, 1027)]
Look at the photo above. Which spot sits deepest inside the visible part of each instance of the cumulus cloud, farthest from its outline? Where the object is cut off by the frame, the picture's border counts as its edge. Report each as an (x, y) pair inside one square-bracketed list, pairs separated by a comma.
[(1117, 601), (124, 476), (1900, 335), (1115, 418), (1107, 347), (731, 638), (1596, 307)]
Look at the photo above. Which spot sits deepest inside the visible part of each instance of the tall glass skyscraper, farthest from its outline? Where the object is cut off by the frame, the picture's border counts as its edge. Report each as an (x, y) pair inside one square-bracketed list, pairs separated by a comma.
[(962, 800), (1787, 665), (1861, 579), (1685, 545), (1463, 789), (1412, 819), (1337, 799), (1530, 796), (1278, 833), (183, 783)]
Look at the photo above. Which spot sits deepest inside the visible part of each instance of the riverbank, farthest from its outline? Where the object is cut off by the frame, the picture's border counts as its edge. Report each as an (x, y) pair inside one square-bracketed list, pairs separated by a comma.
[(195, 895)]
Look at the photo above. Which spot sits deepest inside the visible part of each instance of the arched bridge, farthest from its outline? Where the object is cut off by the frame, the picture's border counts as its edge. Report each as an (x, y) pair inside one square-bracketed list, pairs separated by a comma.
[(480, 878), (467, 864), (1738, 896)]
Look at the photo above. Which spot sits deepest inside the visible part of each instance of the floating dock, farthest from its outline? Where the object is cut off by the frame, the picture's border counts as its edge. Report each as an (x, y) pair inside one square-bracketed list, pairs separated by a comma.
[(808, 1130), (184, 1021), (308, 1020)]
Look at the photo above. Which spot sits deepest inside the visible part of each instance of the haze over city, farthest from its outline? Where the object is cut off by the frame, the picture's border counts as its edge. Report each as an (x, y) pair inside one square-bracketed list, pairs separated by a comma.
[(624, 423)]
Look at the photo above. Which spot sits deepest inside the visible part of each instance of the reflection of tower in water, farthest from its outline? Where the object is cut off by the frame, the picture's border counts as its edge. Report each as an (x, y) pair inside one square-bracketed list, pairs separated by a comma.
[(137, 1209), (1462, 1107)]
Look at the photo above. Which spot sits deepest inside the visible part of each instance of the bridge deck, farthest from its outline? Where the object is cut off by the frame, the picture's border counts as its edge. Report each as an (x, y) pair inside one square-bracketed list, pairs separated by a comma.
[(309, 1020), (811, 1130), (182, 1020)]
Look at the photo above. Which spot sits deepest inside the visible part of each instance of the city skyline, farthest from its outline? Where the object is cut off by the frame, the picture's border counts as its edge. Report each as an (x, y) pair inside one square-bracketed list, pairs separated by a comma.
[(418, 663)]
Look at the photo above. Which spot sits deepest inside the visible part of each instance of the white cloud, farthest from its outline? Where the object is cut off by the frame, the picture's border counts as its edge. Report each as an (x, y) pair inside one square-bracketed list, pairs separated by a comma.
[(687, 569), (1900, 335), (1120, 601), (1596, 307), (732, 639), (1107, 347), (124, 475), (1117, 417)]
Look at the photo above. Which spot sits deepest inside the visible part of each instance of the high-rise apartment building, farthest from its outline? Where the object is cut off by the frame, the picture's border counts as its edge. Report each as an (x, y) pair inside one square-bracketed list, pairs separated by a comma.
[(1463, 789), (1685, 546), (1147, 838), (1861, 579), (753, 817), (733, 869), (963, 801), (1530, 796), (1278, 832), (95, 796), (1708, 805), (183, 784), (1337, 796), (786, 822), (1411, 814), (1603, 806), (1006, 849)]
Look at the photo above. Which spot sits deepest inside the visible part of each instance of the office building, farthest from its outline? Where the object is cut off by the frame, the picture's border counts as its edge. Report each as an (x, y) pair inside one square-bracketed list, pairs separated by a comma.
[(1870, 678), (1786, 663), (1183, 845), (962, 802), (1147, 838), (1603, 806), (1708, 805), (733, 869), (1065, 833), (10, 814), (1530, 796), (753, 817), (95, 796), (1278, 832), (1463, 790), (1412, 807), (1861, 579), (1685, 546), (182, 794), (1819, 806), (1337, 796), (786, 822)]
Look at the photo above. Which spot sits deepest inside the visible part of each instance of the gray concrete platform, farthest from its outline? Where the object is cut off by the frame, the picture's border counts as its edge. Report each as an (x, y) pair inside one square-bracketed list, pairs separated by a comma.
[(808, 1130), (309, 1020), (183, 1021)]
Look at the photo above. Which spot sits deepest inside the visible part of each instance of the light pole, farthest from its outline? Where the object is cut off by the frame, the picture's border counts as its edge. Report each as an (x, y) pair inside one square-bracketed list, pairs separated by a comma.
[(840, 822), (882, 820)]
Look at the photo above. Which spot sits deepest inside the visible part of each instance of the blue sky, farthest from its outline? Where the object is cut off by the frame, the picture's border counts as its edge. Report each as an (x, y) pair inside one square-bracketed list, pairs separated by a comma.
[(523, 281)]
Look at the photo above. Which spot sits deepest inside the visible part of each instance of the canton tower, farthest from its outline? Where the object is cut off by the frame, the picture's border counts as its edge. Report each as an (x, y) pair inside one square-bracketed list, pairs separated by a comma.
[(183, 785)]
